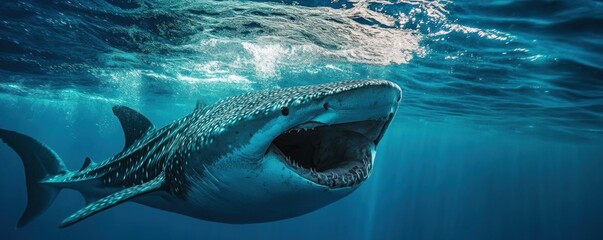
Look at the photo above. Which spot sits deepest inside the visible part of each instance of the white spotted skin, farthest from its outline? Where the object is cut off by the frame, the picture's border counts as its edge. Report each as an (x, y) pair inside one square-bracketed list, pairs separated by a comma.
[(238, 179), (218, 162)]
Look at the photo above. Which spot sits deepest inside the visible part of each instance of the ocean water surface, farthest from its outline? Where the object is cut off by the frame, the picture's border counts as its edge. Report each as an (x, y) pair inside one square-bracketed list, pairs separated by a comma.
[(498, 136)]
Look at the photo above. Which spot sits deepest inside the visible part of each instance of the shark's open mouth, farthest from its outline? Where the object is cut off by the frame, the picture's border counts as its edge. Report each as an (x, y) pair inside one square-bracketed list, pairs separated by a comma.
[(339, 155)]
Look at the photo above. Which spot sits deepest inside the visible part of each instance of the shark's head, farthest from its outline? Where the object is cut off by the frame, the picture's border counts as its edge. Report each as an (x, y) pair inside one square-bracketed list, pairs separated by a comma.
[(292, 150)]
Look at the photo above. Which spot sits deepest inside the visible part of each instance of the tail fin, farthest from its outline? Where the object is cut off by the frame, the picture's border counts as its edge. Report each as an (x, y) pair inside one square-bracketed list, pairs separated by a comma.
[(39, 162)]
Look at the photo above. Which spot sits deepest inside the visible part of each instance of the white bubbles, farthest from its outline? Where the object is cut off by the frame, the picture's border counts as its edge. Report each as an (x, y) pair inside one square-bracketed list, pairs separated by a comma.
[(488, 33), (265, 39), (266, 57), (231, 79), (125, 83)]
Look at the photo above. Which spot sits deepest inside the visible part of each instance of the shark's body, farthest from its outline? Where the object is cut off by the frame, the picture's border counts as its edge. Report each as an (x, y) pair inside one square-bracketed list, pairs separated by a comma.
[(256, 157)]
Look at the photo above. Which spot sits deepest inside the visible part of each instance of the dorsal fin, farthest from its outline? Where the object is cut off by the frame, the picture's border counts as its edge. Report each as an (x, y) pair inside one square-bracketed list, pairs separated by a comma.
[(114, 199), (87, 162), (134, 124)]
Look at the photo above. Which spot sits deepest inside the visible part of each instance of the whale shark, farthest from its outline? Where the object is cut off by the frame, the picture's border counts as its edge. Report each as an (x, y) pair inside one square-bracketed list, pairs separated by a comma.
[(256, 157)]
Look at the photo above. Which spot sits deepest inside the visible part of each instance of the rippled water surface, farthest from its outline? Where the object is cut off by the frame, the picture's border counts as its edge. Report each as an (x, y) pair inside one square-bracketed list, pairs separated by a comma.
[(525, 66), (498, 135)]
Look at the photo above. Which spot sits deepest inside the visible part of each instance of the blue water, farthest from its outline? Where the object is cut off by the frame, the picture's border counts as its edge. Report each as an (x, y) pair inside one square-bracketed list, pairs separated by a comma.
[(499, 134)]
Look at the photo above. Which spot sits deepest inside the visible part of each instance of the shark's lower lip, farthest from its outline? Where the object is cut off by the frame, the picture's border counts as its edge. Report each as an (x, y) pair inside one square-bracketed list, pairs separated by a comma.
[(334, 156)]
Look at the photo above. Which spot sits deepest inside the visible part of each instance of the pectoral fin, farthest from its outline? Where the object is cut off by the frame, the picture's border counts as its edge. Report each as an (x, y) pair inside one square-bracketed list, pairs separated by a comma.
[(113, 200)]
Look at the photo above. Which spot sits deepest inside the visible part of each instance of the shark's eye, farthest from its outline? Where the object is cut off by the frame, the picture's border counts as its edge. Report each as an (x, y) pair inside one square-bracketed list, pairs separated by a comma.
[(285, 111), (326, 106)]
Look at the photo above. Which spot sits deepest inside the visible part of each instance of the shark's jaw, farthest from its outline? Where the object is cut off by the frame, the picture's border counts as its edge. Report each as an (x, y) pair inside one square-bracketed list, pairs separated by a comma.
[(331, 142), (335, 156)]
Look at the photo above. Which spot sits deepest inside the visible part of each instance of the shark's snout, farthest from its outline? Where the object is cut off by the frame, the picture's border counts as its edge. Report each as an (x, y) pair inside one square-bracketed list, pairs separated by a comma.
[(373, 102)]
